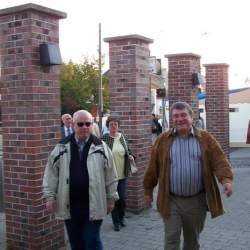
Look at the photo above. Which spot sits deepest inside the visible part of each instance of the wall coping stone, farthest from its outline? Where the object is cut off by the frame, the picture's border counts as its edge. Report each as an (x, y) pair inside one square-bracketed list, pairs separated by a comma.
[(133, 36), (31, 6), (215, 65), (183, 55)]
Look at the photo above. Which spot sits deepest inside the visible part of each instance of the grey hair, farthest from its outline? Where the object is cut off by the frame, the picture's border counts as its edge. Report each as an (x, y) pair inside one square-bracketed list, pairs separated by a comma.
[(181, 106), (83, 112), (64, 115)]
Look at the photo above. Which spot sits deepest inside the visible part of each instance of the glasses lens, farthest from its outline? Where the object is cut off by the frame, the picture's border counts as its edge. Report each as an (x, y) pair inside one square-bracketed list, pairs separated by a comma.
[(87, 124), (81, 124)]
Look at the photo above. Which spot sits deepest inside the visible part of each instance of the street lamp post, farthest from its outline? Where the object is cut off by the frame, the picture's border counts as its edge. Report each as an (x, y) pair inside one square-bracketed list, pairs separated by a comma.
[(100, 103)]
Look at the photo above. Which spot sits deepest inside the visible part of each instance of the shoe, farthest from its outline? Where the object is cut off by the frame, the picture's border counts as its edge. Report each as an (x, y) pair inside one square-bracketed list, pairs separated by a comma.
[(122, 223), (116, 227)]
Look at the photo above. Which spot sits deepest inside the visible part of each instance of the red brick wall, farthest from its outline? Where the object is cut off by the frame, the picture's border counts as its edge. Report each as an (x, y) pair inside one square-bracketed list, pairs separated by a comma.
[(217, 103), (30, 124), (180, 69), (130, 98)]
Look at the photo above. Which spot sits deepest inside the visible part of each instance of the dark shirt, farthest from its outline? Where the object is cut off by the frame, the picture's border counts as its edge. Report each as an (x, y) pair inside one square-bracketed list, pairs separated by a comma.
[(79, 180), (65, 132)]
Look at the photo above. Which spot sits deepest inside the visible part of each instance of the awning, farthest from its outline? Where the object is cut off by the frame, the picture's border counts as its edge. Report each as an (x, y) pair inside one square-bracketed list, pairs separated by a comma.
[(202, 95)]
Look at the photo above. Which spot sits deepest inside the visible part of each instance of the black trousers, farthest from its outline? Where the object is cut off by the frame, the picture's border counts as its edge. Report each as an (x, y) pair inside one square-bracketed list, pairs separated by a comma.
[(118, 212)]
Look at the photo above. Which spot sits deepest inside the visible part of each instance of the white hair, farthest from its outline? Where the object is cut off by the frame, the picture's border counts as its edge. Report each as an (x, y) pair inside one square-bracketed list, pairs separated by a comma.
[(82, 112)]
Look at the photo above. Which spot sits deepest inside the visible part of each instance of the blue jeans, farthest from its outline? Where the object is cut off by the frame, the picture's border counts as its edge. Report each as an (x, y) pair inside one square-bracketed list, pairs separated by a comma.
[(118, 212), (84, 234)]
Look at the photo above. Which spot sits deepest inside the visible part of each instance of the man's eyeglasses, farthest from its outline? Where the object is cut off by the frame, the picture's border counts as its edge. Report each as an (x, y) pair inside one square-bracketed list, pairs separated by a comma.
[(81, 124)]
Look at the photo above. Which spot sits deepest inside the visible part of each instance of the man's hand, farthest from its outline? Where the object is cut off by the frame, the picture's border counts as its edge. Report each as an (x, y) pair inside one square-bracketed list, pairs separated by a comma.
[(228, 189), (148, 200), (51, 206), (110, 205)]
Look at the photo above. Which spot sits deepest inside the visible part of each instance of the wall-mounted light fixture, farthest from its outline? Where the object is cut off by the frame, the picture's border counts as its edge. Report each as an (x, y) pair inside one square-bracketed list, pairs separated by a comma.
[(50, 54)]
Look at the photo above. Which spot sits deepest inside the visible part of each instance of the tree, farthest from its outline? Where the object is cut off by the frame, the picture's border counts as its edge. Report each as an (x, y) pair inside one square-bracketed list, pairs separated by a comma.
[(79, 86)]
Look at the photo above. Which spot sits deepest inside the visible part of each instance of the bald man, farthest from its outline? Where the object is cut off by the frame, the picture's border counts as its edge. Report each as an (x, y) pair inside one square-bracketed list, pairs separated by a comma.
[(80, 183)]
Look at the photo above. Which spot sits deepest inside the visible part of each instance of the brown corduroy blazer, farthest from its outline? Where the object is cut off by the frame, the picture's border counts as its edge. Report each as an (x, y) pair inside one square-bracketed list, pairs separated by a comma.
[(215, 166)]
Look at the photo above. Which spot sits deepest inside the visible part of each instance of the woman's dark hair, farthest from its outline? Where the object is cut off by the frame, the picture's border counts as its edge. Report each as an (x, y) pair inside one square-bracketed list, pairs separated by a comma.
[(113, 118)]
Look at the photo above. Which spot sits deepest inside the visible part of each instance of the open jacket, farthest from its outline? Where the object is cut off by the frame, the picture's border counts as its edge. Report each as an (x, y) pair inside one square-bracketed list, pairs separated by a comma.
[(124, 141), (102, 178), (215, 165)]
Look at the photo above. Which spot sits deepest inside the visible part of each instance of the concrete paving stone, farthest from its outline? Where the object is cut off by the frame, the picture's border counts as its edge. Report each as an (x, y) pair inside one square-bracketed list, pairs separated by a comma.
[(145, 231)]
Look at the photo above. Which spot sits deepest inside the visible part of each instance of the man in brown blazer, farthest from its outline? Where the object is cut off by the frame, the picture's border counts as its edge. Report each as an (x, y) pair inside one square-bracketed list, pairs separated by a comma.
[(186, 162)]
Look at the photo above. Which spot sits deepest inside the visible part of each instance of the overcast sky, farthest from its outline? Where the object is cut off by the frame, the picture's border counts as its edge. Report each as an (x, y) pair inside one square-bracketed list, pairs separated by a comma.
[(217, 30)]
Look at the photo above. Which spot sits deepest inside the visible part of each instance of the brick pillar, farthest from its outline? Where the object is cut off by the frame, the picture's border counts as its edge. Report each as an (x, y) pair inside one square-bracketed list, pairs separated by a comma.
[(31, 120), (217, 103), (130, 97), (180, 69)]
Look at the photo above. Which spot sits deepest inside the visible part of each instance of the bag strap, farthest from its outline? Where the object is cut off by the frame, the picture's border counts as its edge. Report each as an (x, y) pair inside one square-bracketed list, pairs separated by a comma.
[(125, 144)]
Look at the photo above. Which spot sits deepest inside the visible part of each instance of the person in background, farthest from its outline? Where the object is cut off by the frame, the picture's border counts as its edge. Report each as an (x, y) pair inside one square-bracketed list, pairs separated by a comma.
[(104, 123), (155, 127), (185, 162), (248, 133), (66, 129), (201, 123), (105, 129), (118, 143), (80, 183), (96, 130)]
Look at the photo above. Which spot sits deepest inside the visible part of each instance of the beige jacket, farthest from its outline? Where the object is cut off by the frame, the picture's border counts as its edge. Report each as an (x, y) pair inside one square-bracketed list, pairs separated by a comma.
[(215, 166), (102, 179)]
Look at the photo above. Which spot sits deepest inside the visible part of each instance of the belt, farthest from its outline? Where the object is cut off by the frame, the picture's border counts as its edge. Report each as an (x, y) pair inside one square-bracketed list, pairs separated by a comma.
[(189, 196)]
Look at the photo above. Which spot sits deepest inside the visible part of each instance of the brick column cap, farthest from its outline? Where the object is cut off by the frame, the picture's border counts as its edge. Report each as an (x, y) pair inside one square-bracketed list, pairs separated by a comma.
[(34, 7), (217, 65), (183, 55), (133, 36)]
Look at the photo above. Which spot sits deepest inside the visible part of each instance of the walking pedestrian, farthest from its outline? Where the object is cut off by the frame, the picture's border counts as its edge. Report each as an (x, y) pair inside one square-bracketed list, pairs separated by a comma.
[(185, 162), (80, 183), (156, 128), (66, 129), (118, 143)]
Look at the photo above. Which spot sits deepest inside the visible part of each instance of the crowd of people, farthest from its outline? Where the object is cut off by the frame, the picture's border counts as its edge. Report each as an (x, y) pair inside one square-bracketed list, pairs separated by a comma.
[(86, 177)]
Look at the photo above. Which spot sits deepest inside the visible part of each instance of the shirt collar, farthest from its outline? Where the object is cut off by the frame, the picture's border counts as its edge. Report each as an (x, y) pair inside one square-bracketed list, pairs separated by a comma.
[(191, 132), (80, 142)]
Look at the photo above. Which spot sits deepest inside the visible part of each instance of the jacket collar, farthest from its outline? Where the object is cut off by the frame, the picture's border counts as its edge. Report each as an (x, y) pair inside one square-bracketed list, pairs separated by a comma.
[(191, 131), (96, 141), (194, 131)]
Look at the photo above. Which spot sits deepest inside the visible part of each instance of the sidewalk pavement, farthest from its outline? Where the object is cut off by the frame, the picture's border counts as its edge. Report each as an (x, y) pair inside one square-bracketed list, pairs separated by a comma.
[(145, 230)]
